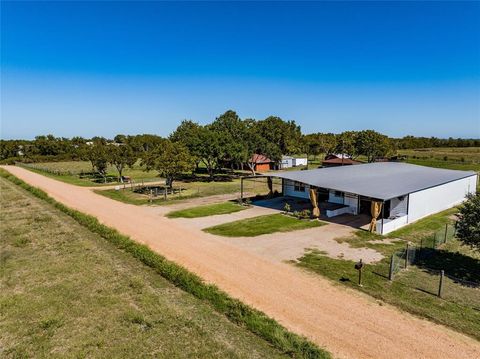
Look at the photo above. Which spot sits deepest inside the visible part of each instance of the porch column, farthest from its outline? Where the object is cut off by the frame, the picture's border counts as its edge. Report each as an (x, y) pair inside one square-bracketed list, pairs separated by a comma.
[(314, 200)]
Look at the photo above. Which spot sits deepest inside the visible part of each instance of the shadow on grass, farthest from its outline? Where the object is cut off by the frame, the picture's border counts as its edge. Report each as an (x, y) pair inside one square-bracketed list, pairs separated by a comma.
[(457, 265)]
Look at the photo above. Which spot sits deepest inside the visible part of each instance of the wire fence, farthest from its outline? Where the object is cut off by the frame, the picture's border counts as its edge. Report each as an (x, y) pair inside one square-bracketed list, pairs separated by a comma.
[(428, 268)]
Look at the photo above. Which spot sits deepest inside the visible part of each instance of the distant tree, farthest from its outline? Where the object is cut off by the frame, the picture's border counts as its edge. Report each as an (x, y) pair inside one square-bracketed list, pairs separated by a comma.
[(254, 143), (284, 134), (121, 156), (170, 159), (120, 138), (210, 150), (346, 144), (189, 133), (234, 137), (372, 145), (318, 143), (468, 225), (97, 154)]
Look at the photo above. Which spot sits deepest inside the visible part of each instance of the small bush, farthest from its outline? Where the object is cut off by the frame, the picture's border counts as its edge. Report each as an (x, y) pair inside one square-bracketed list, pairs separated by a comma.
[(287, 208)]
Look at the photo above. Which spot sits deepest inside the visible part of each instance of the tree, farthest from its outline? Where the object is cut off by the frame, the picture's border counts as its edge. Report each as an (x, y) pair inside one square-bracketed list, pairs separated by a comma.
[(170, 159), (121, 156), (210, 150), (468, 225), (372, 144), (188, 133), (97, 154), (346, 144), (284, 134)]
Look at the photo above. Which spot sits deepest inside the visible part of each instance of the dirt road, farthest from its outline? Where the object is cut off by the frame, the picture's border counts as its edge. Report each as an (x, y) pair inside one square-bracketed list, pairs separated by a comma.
[(347, 323)]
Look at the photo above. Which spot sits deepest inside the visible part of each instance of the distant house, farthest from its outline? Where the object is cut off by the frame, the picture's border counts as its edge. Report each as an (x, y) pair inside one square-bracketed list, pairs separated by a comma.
[(338, 159), (289, 161), (261, 163)]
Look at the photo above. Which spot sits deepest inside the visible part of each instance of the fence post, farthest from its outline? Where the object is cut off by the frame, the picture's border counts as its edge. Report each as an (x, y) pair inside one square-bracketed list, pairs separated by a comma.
[(390, 272), (440, 284), (446, 231), (406, 256)]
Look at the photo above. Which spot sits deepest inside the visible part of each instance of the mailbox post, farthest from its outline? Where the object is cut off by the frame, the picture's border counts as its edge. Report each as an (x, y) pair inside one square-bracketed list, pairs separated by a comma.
[(359, 266)]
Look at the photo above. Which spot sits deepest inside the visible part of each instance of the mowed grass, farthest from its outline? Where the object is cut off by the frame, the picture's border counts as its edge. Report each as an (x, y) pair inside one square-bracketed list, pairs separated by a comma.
[(257, 226), (415, 289), (66, 292), (455, 158), (207, 210), (137, 173), (189, 190)]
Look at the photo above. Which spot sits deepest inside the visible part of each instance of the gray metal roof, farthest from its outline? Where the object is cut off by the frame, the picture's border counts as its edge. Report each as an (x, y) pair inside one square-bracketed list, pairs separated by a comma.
[(382, 180)]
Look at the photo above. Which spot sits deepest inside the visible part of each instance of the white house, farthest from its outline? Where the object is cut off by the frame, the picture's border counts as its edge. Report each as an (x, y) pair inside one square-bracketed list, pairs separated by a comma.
[(403, 193), (289, 161)]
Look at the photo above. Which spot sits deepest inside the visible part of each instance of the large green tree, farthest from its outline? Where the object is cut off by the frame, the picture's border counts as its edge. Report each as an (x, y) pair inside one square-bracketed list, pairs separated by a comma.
[(468, 225), (346, 143), (284, 134), (121, 156), (97, 153), (169, 159), (372, 145), (189, 133)]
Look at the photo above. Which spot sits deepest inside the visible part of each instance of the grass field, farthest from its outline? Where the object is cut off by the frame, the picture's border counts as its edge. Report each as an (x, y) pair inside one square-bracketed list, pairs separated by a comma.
[(208, 210), (455, 158), (189, 190), (76, 167), (66, 292), (415, 289), (257, 226)]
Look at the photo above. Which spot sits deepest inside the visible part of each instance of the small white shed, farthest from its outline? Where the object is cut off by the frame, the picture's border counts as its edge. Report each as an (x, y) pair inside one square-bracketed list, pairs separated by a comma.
[(289, 161)]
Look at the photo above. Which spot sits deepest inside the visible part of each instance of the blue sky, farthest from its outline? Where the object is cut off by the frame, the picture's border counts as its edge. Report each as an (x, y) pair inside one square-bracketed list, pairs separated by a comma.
[(86, 68)]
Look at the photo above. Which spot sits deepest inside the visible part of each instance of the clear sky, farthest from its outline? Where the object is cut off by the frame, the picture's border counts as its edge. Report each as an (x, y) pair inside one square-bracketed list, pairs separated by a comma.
[(87, 68)]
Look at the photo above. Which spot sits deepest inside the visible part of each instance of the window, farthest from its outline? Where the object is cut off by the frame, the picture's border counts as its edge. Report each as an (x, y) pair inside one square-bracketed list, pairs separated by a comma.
[(299, 187), (338, 194)]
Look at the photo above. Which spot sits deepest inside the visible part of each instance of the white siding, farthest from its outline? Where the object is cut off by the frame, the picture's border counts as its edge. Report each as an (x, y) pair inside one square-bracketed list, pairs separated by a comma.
[(332, 197), (398, 207), (439, 198), (300, 161), (289, 190), (351, 200)]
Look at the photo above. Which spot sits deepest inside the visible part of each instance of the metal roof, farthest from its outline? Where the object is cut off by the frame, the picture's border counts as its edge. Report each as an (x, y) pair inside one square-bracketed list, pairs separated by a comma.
[(382, 180)]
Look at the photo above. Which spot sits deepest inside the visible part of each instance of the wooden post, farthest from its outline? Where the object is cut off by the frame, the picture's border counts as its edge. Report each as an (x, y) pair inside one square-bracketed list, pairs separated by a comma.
[(446, 231), (406, 256), (241, 189), (165, 193), (440, 284), (360, 277), (390, 273)]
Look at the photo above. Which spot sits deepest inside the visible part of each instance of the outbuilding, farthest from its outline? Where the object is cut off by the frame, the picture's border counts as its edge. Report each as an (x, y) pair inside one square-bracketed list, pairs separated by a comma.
[(394, 194), (289, 161)]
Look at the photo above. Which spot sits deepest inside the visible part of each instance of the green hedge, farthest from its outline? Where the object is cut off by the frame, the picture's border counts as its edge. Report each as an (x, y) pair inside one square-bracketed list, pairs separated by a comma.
[(238, 312)]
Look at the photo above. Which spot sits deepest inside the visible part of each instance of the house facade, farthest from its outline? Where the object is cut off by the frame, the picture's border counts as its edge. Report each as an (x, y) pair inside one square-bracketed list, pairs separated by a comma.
[(403, 193)]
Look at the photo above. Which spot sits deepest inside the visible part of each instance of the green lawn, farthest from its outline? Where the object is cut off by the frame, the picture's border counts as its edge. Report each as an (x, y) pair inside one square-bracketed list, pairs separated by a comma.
[(208, 210), (415, 289), (189, 190), (257, 226), (67, 292), (71, 169)]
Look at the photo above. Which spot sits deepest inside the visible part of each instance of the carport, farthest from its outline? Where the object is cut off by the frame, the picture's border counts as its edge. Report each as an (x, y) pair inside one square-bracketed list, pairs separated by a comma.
[(392, 193)]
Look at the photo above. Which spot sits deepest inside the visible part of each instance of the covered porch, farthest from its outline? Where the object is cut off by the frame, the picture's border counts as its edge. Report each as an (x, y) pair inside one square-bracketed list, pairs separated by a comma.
[(356, 210)]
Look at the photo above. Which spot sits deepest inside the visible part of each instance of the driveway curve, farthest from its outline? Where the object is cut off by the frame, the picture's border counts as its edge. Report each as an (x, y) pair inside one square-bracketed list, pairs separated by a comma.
[(347, 323)]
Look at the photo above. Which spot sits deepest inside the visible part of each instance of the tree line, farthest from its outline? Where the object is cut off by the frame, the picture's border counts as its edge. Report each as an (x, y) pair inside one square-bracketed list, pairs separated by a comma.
[(227, 142)]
